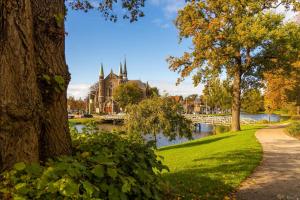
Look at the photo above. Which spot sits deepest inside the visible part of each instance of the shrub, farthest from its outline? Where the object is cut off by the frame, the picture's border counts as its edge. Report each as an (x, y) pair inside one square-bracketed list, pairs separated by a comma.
[(294, 129), (221, 129), (295, 117), (103, 166)]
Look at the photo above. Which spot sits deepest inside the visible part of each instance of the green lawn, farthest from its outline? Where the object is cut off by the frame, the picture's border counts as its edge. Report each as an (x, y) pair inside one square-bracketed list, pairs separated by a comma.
[(212, 167), (83, 120)]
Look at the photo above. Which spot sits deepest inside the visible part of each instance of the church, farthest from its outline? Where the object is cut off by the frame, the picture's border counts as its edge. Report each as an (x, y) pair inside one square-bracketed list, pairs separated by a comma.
[(101, 98)]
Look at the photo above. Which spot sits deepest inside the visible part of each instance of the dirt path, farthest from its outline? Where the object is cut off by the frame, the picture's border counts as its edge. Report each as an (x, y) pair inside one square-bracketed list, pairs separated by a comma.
[(278, 176)]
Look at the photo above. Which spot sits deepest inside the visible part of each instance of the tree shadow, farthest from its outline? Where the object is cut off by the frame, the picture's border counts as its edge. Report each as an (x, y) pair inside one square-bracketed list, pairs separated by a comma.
[(195, 143), (213, 180)]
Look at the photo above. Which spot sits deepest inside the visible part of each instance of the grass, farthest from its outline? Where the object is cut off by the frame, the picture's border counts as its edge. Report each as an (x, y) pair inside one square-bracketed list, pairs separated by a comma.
[(213, 167), (83, 120)]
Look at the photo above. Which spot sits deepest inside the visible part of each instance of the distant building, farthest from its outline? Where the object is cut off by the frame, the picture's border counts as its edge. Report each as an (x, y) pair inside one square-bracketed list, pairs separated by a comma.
[(101, 101)]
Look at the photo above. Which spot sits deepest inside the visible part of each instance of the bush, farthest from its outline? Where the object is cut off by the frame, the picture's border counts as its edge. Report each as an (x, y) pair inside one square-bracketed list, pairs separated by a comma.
[(294, 129), (221, 129), (295, 117), (103, 166)]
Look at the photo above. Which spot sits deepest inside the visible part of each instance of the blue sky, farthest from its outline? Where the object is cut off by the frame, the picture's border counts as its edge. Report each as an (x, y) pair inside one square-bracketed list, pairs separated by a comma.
[(146, 44)]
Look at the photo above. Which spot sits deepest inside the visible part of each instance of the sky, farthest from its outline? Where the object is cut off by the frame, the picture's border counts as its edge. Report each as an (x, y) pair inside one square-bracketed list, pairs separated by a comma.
[(146, 44)]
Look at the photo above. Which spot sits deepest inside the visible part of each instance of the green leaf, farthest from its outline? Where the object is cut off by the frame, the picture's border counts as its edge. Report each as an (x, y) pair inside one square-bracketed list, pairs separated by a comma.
[(88, 188), (126, 187), (20, 185), (19, 166), (59, 79), (112, 172), (67, 187), (18, 197), (98, 171), (47, 78), (34, 169)]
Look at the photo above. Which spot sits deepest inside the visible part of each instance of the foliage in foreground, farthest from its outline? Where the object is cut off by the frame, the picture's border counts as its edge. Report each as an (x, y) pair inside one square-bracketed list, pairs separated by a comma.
[(294, 129), (211, 167), (103, 166)]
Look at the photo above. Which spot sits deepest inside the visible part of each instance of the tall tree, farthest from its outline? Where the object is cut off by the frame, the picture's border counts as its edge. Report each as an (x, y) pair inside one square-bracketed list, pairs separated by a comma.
[(34, 76), (241, 37)]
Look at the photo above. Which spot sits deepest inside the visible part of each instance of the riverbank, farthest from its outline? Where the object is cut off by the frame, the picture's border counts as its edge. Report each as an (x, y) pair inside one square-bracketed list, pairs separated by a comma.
[(212, 167)]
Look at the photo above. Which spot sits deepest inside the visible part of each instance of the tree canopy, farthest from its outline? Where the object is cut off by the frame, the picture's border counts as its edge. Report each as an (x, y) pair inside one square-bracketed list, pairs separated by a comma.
[(239, 37), (252, 101), (127, 94), (131, 8), (158, 114)]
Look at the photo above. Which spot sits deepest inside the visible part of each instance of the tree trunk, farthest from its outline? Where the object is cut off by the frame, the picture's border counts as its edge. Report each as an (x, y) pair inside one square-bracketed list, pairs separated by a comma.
[(236, 102), (33, 111), (49, 32)]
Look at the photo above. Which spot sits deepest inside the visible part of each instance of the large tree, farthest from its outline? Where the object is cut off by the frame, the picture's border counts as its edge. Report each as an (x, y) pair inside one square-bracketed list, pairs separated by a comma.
[(240, 37), (34, 76), (127, 94)]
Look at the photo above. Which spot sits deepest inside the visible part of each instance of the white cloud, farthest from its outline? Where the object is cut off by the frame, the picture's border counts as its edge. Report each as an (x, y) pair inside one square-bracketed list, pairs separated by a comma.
[(160, 23), (170, 7), (78, 90), (185, 88)]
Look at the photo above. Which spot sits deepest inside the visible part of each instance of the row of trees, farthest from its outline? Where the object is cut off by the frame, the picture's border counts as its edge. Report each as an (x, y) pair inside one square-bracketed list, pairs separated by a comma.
[(76, 104)]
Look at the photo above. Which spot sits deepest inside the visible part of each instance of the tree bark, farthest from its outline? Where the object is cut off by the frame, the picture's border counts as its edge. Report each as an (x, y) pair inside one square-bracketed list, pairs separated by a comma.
[(236, 102), (19, 97), (49, 46), (33, 109)]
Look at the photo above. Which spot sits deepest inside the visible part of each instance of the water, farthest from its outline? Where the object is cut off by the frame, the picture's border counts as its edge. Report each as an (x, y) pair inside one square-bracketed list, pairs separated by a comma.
[(162, 140), (259, 117), (205, 130)]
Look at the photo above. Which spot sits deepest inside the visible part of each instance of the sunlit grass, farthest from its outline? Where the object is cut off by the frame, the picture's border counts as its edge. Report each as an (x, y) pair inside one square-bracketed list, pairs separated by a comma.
[(212, 167)]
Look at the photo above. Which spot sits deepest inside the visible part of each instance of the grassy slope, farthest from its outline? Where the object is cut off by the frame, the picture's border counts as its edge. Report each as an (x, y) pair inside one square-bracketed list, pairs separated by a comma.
[(212, 167)]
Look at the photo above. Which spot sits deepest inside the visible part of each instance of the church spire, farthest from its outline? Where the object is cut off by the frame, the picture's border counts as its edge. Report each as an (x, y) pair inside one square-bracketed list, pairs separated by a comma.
[(125, 71), (101, 71), (121, 71), (125, 67)]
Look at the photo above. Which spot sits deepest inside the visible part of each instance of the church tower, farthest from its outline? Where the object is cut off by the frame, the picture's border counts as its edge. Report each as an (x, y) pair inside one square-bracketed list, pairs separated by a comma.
[(120, 78), (101, 97), (125, 78)]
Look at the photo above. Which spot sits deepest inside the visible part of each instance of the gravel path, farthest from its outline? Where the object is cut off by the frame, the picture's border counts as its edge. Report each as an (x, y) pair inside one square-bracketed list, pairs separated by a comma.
[(278, 176)]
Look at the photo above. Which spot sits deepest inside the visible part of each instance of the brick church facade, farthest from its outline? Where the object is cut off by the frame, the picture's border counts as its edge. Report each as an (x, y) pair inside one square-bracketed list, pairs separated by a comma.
[(101, 101)]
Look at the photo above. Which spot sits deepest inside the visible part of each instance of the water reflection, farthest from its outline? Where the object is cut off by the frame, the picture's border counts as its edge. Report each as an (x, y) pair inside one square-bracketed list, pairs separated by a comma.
[(259, 117), (200, 132)]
